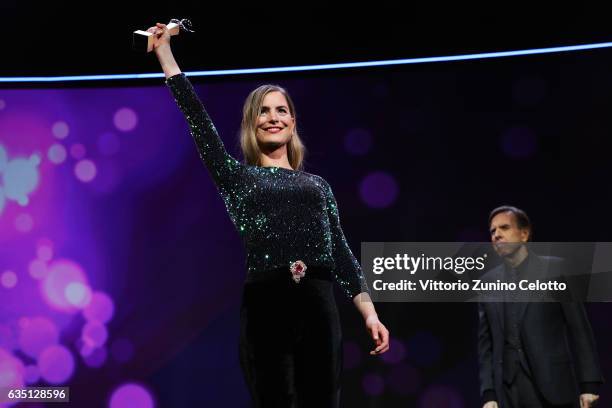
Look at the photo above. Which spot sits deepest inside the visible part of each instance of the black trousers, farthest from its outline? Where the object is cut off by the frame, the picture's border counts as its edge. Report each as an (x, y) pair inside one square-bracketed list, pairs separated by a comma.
[(291, 341), (523, 393)]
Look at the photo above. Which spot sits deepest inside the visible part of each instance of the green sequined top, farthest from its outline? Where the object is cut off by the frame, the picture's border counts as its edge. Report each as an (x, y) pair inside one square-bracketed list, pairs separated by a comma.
[(282, 215)]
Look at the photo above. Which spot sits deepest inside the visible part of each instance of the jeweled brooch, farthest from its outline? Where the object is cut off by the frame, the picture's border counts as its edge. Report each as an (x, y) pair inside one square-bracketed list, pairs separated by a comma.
[(298, 270)]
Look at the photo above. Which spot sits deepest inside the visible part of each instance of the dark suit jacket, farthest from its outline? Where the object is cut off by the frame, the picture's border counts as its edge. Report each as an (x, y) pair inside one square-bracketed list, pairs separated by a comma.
[(549, 330)]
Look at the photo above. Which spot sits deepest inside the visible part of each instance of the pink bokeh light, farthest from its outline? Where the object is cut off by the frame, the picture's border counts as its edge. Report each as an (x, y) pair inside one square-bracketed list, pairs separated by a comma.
[(12, 370), (35, 334), (125, 119), (85, 170), (37, 269), (94, 334), (61, 275), (130, 395), (56, 364), (8, 279), (101, 308), (44, 250), (60, 130)]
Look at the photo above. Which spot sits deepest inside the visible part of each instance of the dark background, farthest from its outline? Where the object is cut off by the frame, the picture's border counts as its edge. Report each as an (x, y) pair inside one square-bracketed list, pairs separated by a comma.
[(73, 39), (444, 131)]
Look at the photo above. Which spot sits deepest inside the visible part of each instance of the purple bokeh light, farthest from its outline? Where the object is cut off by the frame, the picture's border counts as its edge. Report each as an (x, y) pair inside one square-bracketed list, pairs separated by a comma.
[(373, 384), (125, 119), (358, 141), (94, 334), (100, 309), (519, 142), (130, 395), (85, 170), (8, 279), (36, 334), (378, 190), (57, 153), (56, 364), (96, 358), (60, 130), (78, 151)]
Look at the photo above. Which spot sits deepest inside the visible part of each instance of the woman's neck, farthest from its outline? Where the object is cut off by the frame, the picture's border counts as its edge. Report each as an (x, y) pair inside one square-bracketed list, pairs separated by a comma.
[(276, 158)]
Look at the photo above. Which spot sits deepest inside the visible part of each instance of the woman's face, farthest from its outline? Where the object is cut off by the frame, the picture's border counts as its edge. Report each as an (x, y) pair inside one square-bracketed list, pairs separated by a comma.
[(275, 123)]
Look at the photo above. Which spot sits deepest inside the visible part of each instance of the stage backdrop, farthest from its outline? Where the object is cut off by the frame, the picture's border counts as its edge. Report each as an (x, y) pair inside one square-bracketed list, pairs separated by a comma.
[(121, 274)]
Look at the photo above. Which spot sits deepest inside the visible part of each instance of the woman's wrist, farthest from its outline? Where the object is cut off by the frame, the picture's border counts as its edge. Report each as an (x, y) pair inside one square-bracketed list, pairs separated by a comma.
[(163, 50), (167, 61)]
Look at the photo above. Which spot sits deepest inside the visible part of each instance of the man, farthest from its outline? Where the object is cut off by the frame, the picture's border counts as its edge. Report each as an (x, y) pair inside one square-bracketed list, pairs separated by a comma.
[(524, 348)]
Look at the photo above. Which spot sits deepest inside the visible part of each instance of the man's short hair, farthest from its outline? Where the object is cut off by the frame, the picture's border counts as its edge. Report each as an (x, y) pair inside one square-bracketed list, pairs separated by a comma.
[(522, 220)]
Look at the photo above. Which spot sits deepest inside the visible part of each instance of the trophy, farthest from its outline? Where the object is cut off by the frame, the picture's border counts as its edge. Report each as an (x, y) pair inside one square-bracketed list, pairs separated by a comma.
[(144, 40)]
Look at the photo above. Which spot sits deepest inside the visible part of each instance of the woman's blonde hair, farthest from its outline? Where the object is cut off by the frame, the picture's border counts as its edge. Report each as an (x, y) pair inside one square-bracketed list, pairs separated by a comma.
[(248, 128)]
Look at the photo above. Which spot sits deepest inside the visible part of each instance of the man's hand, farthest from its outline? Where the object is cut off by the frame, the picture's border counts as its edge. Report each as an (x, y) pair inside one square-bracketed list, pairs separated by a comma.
[(490, 404), (588, 400)]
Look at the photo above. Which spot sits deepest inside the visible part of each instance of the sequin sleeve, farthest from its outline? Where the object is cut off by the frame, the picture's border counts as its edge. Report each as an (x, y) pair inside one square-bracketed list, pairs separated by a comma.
[(347, 270), (223, 168)]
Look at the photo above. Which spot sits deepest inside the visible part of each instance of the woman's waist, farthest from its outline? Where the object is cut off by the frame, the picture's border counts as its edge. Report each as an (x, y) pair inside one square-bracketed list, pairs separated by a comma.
[(296, 272)]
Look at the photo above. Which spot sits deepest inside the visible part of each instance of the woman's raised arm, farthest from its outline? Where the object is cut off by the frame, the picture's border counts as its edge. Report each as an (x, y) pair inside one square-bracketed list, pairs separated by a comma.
[(223, 168)]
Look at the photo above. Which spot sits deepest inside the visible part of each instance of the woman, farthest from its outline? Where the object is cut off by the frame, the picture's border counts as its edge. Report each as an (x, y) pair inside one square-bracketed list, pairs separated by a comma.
[(290, 341)]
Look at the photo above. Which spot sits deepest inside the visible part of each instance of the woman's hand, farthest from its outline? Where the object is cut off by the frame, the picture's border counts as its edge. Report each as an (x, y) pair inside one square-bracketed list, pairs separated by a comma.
[(379, 334), (162, 49), (162, 36)]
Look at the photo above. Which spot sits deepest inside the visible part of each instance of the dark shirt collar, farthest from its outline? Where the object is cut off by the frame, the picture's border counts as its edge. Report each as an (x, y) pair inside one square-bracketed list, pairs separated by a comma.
[(519, 270)]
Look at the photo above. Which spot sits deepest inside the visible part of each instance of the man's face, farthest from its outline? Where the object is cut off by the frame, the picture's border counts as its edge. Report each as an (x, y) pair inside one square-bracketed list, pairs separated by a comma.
[(505, 234)]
